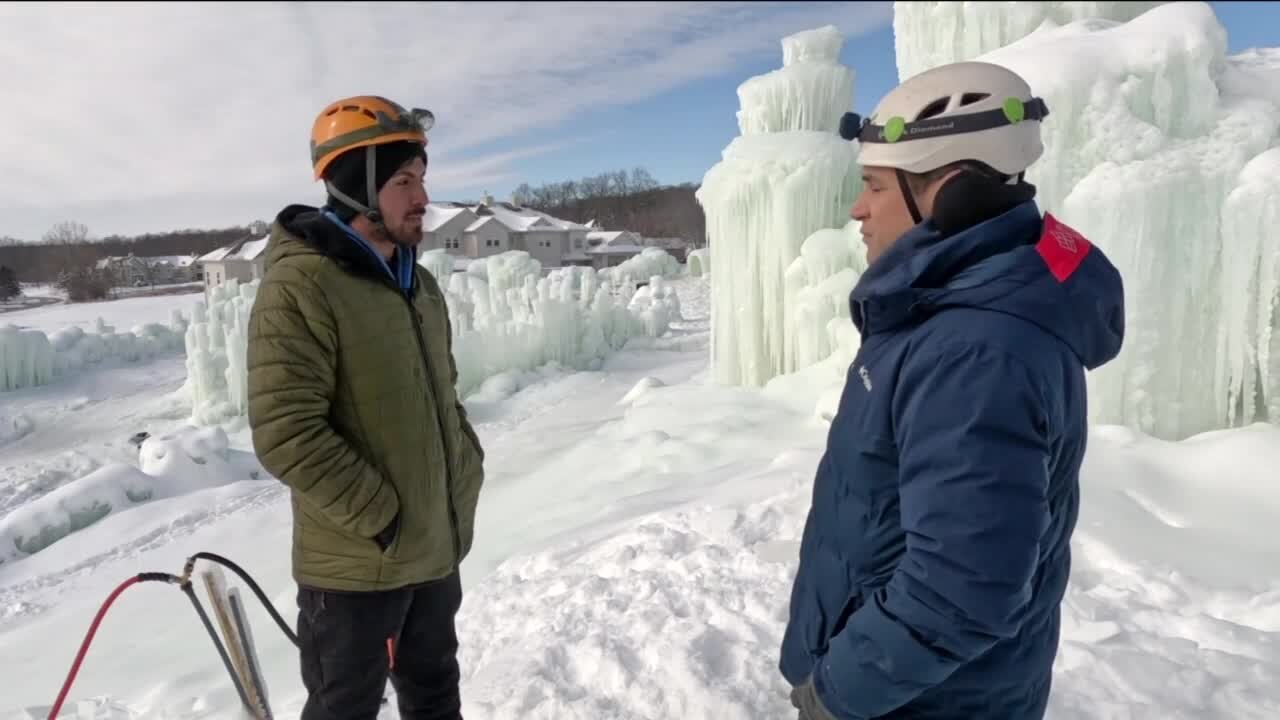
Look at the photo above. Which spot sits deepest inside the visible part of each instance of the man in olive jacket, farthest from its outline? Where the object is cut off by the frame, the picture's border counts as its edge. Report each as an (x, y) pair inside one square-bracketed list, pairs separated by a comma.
[(352, 405)]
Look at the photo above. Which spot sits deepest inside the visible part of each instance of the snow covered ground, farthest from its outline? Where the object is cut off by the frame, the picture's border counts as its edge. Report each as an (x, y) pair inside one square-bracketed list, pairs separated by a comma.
[(635, 544)]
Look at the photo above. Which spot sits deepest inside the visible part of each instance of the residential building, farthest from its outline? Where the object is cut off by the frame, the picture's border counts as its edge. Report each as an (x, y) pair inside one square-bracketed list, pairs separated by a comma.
[(143, 270), (610, 248), (490, 228), (243, 260)]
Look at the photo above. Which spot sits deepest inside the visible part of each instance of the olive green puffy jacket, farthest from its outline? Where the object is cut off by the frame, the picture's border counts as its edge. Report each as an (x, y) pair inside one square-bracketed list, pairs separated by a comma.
[(352, 405)]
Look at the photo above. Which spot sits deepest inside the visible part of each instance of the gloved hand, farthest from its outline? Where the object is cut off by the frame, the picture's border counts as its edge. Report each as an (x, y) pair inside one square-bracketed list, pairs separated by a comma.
[(805, 699)]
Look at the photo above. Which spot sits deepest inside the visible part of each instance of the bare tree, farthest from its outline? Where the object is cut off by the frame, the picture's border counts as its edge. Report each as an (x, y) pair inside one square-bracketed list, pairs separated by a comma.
[(66, 233)]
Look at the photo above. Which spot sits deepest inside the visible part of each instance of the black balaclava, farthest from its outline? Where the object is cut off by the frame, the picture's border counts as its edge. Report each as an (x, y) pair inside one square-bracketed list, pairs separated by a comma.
[(970, 197), (347, 172)]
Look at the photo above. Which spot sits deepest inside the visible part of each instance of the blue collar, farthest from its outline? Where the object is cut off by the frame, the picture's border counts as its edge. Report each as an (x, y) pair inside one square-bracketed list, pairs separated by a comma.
[(404, 259)]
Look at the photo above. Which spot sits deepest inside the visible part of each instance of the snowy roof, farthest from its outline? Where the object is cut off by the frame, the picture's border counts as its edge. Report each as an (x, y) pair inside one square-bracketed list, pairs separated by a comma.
[(174, 260), (666, 242), (616, 249), (239, 250), (513, 217), (612, 238), (438, 214), (480, 222)]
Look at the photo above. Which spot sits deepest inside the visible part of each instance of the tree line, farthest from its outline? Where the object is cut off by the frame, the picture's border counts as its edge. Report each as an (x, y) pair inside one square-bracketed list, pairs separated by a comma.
[(622, 200), (68, 246)]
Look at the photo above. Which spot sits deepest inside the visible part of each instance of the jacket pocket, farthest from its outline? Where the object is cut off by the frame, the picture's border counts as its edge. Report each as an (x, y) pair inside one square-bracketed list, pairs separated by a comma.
[(850, 607)]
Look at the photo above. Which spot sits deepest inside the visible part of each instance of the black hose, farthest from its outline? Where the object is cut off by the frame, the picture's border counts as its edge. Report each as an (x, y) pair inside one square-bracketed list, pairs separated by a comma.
[(262, 597), (213, 634)]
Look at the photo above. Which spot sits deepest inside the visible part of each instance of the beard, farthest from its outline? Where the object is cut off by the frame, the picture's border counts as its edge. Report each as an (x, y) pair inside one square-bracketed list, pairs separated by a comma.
[(407, 232)]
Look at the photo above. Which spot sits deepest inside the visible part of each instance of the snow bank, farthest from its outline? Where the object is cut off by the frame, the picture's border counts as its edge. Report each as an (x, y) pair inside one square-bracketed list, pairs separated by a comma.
[(508, 318), (31, 358), (681, 614), (168, 466), (786, 176), (14, 427)]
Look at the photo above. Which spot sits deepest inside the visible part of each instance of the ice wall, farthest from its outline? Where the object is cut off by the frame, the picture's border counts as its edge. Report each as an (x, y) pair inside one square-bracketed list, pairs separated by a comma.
[(506, 316), (928, 34), (217, 351), (1159, 149), (786, 176), (818, 287), (30, 358)]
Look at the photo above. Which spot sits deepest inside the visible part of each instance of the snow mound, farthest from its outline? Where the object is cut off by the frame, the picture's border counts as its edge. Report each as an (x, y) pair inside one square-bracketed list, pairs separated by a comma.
[(168, 466), (650, 262), (30, 358), (14, 427), (669, 619), (680, 613), (641, 388), (786, 176)]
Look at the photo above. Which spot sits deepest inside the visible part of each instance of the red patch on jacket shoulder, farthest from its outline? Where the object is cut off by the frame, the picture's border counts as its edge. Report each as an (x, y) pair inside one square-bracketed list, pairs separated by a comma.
[(1062, 248)]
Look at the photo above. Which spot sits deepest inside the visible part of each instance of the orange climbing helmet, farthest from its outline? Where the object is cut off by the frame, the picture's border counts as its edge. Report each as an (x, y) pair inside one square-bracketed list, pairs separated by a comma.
[(364, 121)]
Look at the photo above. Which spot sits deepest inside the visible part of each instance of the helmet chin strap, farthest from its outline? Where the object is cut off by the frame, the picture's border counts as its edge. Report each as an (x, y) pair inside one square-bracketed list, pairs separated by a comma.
[(371, 212), (907, 195)]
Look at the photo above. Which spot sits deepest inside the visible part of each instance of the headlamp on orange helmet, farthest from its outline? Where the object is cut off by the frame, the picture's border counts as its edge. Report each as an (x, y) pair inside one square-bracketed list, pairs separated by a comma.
[(363, 121)]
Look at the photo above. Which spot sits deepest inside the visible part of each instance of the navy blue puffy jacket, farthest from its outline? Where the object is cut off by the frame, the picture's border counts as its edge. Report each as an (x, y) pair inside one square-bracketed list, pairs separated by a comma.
[(937, 549)]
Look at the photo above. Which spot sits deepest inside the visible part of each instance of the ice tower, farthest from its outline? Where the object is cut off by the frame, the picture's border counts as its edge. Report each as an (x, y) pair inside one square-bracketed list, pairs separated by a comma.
[(787, 175), (1165, 152)]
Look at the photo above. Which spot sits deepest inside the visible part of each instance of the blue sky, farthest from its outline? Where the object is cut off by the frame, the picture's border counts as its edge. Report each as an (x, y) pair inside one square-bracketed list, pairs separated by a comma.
[(679, 135), (142, 118)]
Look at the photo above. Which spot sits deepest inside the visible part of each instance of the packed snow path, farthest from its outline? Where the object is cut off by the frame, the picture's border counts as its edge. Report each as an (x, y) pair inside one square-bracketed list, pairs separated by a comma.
[(635, 544)]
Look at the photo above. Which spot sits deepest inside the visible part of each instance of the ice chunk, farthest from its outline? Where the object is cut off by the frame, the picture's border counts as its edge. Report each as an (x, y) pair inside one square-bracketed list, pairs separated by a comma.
[(26, 358), (929, 34), (439, 263), (14, 427), (818, 287), (699, 262), (770, 192), (217, 353), (650, 262)]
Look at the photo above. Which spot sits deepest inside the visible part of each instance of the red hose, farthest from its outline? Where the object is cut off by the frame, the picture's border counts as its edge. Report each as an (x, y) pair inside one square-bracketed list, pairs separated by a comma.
[(84, 646)]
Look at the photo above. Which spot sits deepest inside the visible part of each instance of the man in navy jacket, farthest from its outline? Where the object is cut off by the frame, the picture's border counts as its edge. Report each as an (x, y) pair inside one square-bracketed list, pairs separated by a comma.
[(937, 550)]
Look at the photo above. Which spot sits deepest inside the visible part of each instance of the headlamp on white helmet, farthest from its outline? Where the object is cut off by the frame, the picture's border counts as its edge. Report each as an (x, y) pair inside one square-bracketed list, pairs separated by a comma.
[(967, 111)]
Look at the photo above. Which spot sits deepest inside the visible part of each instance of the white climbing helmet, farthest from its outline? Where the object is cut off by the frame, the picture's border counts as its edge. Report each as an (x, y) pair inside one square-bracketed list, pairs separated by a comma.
[(962, 111)]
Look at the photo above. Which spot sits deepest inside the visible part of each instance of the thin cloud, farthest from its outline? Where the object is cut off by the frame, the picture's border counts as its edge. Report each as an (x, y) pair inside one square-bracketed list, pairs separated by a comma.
[(115, 108)]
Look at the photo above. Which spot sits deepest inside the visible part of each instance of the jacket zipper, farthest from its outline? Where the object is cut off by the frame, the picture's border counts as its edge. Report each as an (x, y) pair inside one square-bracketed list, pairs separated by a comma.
[(416, 318)]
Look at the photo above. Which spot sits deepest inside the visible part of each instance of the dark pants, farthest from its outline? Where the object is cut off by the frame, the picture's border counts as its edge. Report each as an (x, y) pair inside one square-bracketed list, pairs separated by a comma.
[(343, 639)]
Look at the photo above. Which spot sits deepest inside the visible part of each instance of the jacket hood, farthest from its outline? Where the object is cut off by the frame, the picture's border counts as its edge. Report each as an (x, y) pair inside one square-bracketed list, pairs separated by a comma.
[(304, 230), (1017, 263)]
